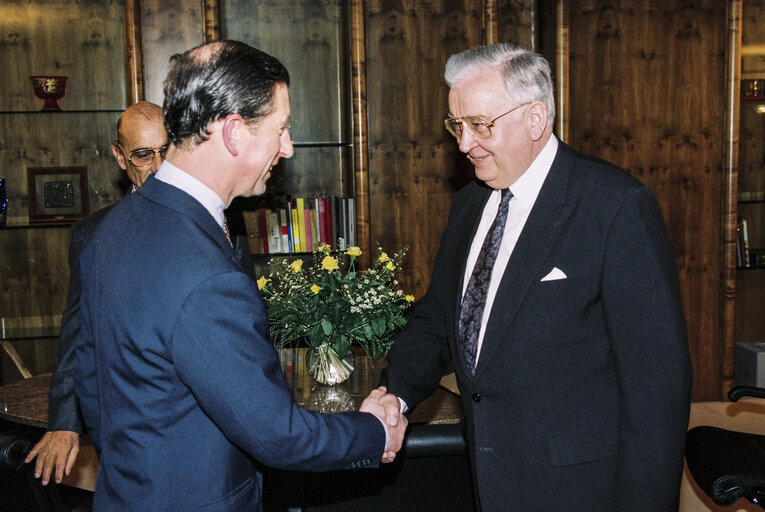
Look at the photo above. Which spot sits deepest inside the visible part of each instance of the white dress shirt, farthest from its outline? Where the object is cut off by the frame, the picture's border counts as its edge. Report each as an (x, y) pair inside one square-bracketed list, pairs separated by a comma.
[(525, 191), (178, 178)]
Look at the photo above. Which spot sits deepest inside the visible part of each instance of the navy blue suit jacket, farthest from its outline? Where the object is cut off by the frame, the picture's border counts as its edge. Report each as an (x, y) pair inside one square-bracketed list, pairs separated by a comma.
[(581, 393), (179, 386), (63, 408)]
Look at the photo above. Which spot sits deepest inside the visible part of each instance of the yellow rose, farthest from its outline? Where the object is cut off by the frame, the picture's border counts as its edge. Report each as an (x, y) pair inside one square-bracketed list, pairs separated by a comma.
[(384, 257), (325, 248), (409, 298), (262, 282), (329, 263), (316, 289), (296, 265), (353, 251), (390, 266)]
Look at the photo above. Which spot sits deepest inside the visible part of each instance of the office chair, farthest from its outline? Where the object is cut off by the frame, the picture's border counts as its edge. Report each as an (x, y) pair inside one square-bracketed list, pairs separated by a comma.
[(728, 465), (19, 489)]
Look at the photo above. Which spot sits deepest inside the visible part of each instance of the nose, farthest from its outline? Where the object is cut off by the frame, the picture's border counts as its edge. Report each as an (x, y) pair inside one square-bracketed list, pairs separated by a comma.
[(156, 162), (287, 150), (467, 140)]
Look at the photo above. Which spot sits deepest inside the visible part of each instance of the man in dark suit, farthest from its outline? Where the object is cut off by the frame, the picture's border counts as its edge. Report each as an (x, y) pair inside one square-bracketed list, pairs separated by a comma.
[(139, 149), (557, 303), (181, 390)]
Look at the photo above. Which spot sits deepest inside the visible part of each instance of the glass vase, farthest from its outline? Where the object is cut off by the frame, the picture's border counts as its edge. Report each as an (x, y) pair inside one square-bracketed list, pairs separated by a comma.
[(325, 366)]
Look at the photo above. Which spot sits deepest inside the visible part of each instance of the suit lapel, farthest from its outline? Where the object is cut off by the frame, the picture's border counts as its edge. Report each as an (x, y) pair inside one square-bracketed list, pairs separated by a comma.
[(538, 237), (468, 225)]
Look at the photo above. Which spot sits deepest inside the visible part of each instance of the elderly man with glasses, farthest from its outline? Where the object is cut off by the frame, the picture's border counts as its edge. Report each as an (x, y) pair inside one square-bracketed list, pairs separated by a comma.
[(555, 296), (139, 150)]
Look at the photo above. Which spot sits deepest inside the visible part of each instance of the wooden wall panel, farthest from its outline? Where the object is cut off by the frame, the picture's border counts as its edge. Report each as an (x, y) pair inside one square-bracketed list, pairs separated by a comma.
[(314, 51), (83, 43), (517, 23), (646, 94), (753, 39), (415, 165), (167, 27)]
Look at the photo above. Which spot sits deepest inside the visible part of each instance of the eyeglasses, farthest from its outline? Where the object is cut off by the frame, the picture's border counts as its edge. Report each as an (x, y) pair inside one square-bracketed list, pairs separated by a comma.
[(143, 157), (475, 125)]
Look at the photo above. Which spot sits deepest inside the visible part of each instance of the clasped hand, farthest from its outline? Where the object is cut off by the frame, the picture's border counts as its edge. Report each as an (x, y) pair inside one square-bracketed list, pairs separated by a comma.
[(386, 407)]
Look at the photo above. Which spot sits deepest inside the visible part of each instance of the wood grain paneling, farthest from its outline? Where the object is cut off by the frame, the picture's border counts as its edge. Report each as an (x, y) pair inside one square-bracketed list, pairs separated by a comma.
[(415, 165), (728, 221), (646, 94), (168, 27), (84, 43), (517, 22)]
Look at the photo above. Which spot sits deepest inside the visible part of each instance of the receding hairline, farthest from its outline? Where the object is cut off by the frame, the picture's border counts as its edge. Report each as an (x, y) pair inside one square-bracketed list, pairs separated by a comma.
[(138, 112)]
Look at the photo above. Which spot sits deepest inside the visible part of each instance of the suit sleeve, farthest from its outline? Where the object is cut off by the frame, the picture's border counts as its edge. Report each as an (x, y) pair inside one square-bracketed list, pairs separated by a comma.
[(63, 407), (420, 354), (648, 338), (234, 373)]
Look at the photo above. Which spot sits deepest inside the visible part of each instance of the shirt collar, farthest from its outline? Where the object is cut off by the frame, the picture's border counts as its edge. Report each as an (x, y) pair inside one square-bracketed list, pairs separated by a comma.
[(527, 187), (179, 178)]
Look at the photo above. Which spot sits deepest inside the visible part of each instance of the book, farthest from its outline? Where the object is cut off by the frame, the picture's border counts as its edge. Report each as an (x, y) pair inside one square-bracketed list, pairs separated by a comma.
[(314, 220), (295, 227), (263, 227), (300, 207), (306, 228), (351, 222), (274, 232), (253, 231), (745, 239)]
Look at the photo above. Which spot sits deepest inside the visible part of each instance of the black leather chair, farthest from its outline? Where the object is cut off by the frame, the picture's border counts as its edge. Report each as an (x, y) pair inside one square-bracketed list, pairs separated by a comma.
[(20, 491), (728, 465)]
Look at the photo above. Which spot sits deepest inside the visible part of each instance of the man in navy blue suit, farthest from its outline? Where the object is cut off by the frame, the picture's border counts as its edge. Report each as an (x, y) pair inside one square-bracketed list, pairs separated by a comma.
[(139, 149), (555, 296), (180, 388)]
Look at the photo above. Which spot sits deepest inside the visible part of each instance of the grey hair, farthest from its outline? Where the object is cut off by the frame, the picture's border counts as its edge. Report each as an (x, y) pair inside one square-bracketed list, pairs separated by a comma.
[(527, 74)]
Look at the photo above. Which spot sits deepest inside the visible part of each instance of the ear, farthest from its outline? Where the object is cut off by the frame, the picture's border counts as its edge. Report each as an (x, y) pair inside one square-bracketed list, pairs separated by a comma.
[(231, 132), (120, 159), (538, 116)]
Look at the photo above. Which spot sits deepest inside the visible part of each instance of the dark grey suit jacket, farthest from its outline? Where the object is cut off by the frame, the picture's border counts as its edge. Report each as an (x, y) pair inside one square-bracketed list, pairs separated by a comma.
[(581, 394), (63, 408)]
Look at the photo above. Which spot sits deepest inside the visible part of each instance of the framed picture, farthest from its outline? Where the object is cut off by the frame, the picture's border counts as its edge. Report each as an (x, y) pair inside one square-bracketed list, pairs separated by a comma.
[(57, 195)]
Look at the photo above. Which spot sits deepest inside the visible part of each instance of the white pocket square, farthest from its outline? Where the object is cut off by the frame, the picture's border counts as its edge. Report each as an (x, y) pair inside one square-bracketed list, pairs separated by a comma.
[(554, 275)]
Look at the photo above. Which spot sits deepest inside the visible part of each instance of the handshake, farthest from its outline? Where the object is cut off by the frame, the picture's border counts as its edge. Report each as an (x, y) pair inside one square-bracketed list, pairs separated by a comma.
[(386, 407)]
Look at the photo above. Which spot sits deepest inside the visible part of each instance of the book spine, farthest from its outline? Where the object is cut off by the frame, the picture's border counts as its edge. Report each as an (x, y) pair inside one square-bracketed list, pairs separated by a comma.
[(274, 230), (308, 231), (263, 226), (253, 232), (301, 224), (351, 222)]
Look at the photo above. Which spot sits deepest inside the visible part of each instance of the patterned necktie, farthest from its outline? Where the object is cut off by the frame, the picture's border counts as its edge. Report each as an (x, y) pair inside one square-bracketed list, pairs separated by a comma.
[(228, 235), (475, 294)]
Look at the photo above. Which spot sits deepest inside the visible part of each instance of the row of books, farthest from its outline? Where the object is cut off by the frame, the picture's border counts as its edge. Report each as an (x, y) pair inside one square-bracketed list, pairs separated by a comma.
[(303, 224), (746, 256)]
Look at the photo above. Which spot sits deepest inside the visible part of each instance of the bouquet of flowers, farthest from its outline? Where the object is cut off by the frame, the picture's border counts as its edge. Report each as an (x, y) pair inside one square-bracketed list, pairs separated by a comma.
[(331, 305)]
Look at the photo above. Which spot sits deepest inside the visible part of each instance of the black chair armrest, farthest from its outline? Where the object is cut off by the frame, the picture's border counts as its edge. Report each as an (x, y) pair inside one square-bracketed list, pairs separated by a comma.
[(741, 391), (434, 440), (13, 450)]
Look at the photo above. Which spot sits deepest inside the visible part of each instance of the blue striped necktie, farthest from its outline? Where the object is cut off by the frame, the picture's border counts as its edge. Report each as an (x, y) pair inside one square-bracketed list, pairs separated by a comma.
[(474, 300)]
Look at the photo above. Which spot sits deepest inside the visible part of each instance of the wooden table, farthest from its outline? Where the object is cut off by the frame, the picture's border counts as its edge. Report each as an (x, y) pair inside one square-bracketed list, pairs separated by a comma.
[(26, 401)]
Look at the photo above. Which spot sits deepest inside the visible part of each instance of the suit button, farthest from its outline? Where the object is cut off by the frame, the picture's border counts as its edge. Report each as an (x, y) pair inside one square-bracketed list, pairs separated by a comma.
[(476, 397)]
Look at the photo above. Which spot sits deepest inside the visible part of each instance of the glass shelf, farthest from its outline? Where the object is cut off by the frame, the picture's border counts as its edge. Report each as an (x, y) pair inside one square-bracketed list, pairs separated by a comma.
[(29, 328)]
